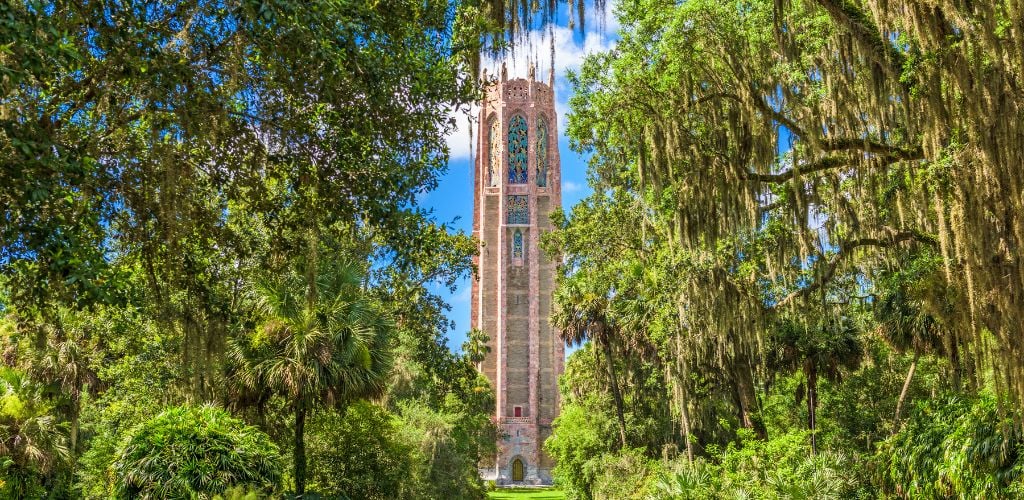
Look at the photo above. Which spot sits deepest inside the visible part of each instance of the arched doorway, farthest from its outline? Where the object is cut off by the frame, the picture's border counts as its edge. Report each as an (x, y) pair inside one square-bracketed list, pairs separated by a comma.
[(517, 470)]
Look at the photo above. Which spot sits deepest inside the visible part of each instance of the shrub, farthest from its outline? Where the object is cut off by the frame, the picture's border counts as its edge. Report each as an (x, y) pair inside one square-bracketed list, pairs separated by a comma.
[(624, 475), (357, 455), (953, 448), (194, 452), (781, 467)]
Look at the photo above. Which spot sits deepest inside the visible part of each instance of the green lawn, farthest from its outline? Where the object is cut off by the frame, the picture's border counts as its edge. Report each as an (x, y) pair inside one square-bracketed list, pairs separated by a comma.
[(526, 493)]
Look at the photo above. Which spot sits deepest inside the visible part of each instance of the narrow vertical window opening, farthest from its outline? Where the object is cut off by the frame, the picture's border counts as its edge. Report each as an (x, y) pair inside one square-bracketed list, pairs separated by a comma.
[(518, 148)]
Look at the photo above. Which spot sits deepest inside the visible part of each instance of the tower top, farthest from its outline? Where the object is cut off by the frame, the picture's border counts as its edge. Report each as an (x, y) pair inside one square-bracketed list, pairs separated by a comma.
[(502, 76)]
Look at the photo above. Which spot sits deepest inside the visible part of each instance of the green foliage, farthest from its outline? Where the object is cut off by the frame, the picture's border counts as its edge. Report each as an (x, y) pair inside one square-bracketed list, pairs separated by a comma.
[(954, 447), (624, 475), (194, 452), (360, 454), (139, 379), (780, 468), (321, 339), (32, 444), (449, 442), (579, 440), (160, 166)]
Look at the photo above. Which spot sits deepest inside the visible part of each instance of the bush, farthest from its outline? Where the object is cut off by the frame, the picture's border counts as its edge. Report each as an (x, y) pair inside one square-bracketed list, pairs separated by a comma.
[(357, 455), (624, 475), (448, 445), (194, 452), (580, 438), (953, 448), (781, 467)]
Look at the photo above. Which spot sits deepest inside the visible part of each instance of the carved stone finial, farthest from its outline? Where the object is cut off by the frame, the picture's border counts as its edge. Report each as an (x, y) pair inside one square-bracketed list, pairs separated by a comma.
[(533, 72), (484, 77), (504, 73)]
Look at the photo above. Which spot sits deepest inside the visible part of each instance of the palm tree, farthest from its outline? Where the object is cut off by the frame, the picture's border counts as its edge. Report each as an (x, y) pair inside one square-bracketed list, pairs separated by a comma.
[(31, 441), (476, 346), (314, 347), (581, 313), (818, 350), (905, 324), (65, 363)]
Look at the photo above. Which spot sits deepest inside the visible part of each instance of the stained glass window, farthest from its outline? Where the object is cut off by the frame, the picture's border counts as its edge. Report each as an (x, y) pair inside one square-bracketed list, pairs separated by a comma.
[(518, 209), (494, 162), (542, 152), (518, 146), (517, 244)]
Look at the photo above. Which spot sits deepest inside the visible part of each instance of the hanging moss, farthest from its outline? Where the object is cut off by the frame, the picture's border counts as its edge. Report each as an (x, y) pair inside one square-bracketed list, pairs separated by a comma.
[(902, 130)]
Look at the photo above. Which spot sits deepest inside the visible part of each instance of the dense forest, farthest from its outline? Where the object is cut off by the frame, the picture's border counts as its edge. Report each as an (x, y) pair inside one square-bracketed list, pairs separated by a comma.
[(215, 273), (798, 275)]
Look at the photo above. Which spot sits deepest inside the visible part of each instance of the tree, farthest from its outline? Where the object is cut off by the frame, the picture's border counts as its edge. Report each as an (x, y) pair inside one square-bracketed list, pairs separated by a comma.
[(231, 127), (819, 349), (32, 443), (194, 452), (581, 314), (812, 139), (67, 363), (328, 345), (476, 346), (908, 315)]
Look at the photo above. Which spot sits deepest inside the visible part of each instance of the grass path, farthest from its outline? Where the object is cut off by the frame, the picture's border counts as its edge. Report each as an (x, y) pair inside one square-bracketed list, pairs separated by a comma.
[(526, 494)]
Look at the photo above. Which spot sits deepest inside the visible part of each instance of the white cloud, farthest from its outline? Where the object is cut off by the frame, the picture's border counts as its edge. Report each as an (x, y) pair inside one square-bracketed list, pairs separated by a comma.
[(571, 48), (536, 49), (463, 295), (460, 141), (571, 187)]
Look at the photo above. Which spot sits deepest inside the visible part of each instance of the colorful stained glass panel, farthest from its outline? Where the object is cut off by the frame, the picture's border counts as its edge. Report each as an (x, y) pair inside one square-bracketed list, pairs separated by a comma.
[(518, 209), (518, 147), (494, 162), (542, 152), (517, 244)]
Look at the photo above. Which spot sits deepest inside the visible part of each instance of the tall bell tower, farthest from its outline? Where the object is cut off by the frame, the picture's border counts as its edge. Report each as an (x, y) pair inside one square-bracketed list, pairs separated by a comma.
[(517, 185)]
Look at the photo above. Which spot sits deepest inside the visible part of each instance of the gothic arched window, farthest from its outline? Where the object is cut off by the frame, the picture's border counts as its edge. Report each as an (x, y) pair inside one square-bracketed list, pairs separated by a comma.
[(494, 161), (542, 152), (518, 147), (517, 244)]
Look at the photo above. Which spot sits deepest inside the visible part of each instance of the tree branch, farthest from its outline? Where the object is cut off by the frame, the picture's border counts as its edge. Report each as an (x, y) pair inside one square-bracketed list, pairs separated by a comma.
[(826, 163), (866, 35), (845, 249), (892, 154)]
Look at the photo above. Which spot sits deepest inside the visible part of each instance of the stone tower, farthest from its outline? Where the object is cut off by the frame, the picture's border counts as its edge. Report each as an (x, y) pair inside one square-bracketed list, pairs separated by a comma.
[(517, 185)]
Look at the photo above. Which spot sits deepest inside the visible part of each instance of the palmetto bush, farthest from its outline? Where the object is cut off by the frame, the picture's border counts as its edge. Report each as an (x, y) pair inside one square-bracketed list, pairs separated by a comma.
[(32, 442), (194, 452), (955, 447), (782, 467)]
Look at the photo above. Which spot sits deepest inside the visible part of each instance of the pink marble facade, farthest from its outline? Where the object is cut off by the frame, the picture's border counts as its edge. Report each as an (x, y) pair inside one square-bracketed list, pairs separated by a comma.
[(512, 296)]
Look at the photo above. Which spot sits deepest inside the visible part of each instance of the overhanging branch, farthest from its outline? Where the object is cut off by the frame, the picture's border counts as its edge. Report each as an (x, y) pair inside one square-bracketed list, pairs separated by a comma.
[(845, 249)]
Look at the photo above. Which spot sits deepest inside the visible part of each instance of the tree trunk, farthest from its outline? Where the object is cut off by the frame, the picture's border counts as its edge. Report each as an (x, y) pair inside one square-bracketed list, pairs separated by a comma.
[(812, 405), (75, 411), (747, 399), (616, 395), (684, 407), (300, 449), (906, 386), (685, 412)]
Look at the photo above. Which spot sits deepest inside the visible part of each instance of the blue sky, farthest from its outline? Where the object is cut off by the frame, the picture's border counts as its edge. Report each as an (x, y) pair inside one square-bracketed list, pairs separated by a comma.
[(453, 200)]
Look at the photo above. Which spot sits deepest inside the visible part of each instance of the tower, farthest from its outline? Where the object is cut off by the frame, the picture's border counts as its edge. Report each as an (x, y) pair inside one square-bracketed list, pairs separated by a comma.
[(517, 185)]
